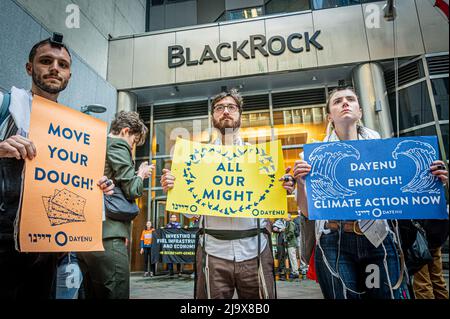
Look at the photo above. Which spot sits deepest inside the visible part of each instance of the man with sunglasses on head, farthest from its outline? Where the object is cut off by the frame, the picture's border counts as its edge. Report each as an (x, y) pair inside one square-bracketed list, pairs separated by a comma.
[(227, 257)]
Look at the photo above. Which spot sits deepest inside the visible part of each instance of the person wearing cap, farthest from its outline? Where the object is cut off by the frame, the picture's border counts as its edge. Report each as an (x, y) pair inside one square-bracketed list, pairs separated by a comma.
[(28, 275), (228, 258)]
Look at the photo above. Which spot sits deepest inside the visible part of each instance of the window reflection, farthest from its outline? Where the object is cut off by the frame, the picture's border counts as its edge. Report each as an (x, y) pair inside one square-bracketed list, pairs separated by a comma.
[(444, 131), (414, 106), (440, 92), (161, 163), (325, 4), (244, 13), (300, 126), (166, 134), (290, 156), (282, 6)]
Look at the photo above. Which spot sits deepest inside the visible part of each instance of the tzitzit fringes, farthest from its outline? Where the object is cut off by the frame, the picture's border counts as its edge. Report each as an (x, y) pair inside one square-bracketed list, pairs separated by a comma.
[(206, 272), (262, 281), (387, 271), (334, 274)]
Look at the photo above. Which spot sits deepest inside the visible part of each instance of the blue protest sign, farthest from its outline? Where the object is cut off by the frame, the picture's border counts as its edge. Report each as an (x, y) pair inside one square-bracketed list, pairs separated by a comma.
[(374, 179)]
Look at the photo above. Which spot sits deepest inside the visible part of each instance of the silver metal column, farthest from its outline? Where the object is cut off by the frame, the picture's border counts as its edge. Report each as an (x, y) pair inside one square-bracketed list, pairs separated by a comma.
[(126, 101), (368, 80)]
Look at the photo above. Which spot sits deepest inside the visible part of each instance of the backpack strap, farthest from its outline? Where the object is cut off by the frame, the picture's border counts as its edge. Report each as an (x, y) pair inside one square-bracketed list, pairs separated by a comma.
[(4, 108)]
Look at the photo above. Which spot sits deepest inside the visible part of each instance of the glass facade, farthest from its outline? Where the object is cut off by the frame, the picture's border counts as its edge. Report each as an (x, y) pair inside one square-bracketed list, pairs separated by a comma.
[(326, 4), (166, 133), (420, 111), (246, 13), (157, 2), (255, 127), (415, 106), (161, 2), (444, 132), (157, 18), (440, 92), (283, 6)]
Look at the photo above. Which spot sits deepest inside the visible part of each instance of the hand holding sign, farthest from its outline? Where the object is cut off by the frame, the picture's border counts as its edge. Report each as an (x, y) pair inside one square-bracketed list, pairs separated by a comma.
[(17, 146), (288, 181), (167, 180), (438, 170), (301, 170)]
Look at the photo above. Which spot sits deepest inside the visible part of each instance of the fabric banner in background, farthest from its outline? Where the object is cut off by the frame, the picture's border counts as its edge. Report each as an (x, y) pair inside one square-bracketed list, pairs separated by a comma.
[(174, 245), (374, 179), (62, 206), (228, 181)]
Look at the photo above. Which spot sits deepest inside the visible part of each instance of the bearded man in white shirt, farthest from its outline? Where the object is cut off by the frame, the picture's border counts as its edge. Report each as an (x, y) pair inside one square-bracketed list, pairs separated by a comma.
[(227, 258)]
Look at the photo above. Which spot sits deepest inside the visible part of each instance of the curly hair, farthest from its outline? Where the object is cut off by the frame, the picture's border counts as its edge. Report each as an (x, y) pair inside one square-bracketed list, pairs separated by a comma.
[(234, 94), (133, 122)]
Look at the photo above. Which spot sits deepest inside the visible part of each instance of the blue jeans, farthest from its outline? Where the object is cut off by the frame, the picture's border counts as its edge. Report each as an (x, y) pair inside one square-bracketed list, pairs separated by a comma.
[(359, 266), (68, 278)]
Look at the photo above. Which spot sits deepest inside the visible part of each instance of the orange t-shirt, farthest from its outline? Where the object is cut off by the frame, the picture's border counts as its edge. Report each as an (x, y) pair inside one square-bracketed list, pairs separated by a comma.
[(147, 237)]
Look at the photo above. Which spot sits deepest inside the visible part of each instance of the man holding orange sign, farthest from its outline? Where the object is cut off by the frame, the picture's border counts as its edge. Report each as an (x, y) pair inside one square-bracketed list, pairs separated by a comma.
[(24, 275)]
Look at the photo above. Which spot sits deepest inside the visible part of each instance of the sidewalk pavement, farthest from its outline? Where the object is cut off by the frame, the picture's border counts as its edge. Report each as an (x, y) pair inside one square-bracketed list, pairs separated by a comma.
[(163, 287)]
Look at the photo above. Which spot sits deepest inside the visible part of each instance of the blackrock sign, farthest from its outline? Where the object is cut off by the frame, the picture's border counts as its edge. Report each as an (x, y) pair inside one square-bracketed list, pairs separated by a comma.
[(276, 45)]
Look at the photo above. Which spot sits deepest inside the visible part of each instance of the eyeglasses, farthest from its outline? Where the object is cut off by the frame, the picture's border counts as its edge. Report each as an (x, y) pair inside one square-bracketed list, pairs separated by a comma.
[(232, 108)]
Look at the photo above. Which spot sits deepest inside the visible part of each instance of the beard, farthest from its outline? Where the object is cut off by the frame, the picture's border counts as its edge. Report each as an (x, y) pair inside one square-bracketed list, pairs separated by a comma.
[(225, 127), (52, 89)]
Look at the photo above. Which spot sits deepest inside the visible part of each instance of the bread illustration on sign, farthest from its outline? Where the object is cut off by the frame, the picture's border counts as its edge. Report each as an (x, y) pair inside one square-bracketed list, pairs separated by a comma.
[(64, 207)]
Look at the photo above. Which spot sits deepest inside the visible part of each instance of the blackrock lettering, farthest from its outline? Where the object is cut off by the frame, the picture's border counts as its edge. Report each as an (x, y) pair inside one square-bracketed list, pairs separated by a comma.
[(276, 45)]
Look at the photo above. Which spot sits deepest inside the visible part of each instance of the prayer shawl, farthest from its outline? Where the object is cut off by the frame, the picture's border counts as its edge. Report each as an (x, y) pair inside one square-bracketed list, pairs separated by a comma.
[(375, 230), (19, 112)]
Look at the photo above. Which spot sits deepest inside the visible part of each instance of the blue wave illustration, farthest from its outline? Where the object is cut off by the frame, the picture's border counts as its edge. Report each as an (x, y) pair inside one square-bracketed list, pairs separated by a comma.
[(422, 154), (324, 161)]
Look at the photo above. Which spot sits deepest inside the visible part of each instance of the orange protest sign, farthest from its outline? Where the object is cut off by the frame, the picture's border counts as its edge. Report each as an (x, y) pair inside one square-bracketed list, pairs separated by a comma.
[(62, 207)]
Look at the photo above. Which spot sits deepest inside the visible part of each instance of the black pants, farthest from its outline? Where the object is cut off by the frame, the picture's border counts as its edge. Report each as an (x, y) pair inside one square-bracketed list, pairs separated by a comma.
[(106, 274), (147, 259), (281, 253), (26, 275), (171, 268)]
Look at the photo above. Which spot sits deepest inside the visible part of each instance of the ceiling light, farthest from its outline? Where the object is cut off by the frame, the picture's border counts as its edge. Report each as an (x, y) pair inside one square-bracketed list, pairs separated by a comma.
[(93, 108)]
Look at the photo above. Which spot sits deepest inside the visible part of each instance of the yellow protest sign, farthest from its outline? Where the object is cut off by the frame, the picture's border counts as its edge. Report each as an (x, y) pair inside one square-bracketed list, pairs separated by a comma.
[(62, 207), (228, 181)]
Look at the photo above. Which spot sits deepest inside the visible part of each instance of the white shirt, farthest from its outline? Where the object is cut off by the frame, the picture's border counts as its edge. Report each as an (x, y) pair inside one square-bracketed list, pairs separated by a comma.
[(20, 109), (239, 249)]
